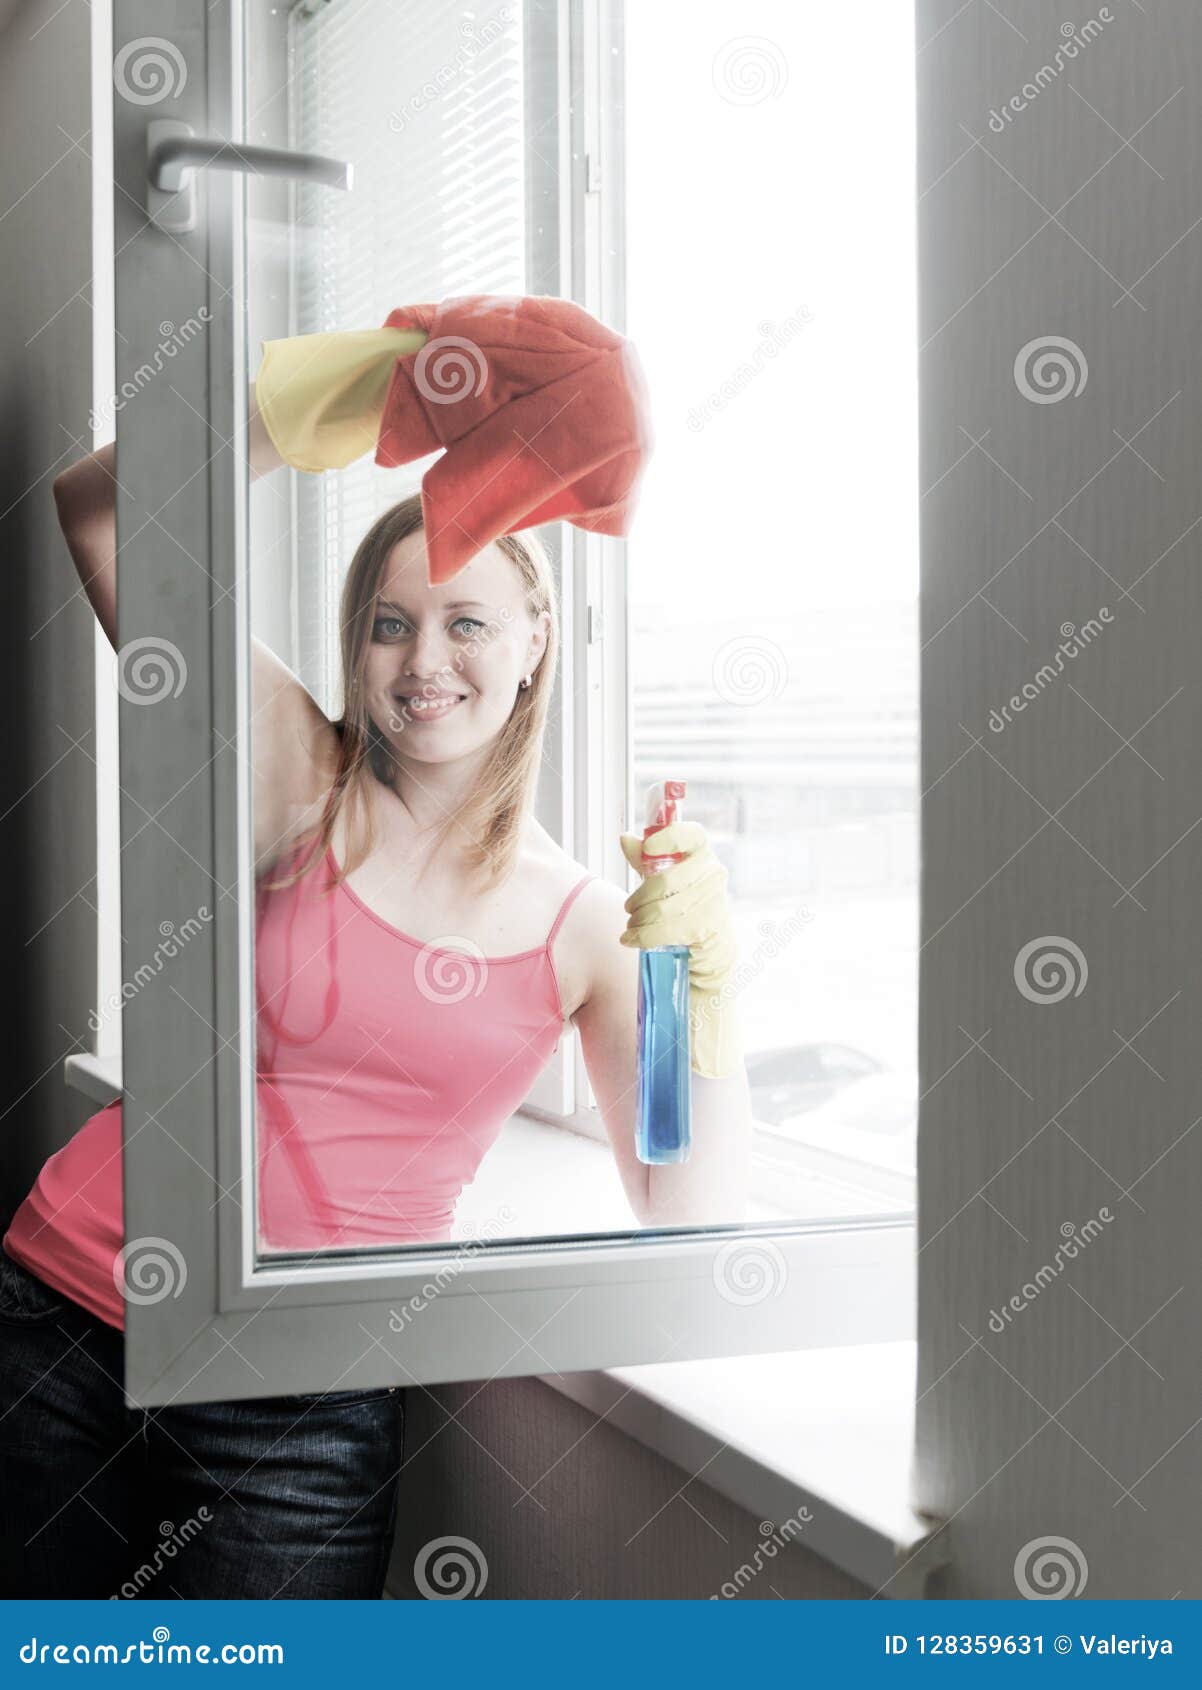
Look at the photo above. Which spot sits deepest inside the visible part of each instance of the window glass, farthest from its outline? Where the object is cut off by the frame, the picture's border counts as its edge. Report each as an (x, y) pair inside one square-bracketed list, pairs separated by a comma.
[(774, 573), (771, 636)]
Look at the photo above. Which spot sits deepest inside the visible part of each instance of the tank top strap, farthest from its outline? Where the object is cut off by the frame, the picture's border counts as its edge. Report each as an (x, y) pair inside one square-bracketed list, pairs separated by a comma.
[(566, 906)]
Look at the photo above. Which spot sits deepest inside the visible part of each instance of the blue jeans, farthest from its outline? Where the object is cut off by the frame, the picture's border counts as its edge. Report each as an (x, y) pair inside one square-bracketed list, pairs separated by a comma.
[(283, 1497)]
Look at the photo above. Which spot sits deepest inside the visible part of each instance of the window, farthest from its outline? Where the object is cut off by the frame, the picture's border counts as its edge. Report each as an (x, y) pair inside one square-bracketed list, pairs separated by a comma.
[(516, 173)]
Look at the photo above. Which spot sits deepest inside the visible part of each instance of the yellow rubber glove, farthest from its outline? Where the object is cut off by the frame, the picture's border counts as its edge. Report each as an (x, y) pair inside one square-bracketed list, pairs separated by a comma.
[(322, 395), (686, 904)]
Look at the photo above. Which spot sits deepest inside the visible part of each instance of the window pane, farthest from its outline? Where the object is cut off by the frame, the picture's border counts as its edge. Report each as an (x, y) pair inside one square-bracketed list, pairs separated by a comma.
[(773, 570), (771, 635)]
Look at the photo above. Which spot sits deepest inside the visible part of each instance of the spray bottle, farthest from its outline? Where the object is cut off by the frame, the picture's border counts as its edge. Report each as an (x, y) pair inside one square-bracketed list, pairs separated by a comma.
[(662, 1132)]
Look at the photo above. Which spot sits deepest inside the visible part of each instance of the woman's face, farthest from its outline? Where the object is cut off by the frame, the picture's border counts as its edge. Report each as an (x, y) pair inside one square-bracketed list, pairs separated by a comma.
[(444, 663)]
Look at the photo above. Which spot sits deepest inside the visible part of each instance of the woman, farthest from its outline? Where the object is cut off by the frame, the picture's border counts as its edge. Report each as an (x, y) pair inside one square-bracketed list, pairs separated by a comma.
[(386, 843)]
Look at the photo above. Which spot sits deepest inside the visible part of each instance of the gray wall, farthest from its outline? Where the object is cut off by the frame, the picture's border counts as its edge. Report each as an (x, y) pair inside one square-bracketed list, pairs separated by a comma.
[(1078, 820), (604, 1517), (47, 788)]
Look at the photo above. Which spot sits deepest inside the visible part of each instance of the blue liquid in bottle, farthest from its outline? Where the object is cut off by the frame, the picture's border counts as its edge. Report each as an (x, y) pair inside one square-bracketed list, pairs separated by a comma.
[(662, 1124), (662, 1129)]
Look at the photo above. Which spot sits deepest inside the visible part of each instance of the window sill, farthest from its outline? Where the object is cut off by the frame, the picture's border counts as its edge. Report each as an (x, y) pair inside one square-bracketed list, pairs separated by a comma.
[(827, 1430), (97, 1077)]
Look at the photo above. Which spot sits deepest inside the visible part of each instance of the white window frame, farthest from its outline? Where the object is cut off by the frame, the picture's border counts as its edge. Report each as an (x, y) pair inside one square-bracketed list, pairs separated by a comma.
[(232, 1327)]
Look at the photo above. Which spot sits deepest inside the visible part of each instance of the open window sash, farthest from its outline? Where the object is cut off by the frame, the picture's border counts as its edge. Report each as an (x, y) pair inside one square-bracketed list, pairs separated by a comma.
[(205, 1318)]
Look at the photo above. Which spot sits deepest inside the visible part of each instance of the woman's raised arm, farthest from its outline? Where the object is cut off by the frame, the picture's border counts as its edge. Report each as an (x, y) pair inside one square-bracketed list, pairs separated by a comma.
[(294, 745), (85, 495)]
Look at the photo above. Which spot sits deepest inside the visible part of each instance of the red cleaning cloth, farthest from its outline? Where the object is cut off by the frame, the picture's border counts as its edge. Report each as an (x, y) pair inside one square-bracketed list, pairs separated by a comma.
[(543, 411)]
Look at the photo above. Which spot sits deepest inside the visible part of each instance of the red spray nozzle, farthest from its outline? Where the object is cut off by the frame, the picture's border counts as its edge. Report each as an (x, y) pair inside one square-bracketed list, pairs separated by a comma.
[(663, 807)]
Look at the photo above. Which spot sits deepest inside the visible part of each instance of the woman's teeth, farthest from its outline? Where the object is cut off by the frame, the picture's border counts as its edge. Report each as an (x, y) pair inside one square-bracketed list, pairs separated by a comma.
[(426, 709)]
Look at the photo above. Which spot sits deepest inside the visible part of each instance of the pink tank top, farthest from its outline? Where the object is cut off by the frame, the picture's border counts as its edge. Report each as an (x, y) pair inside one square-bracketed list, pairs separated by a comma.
[(386, 1069)]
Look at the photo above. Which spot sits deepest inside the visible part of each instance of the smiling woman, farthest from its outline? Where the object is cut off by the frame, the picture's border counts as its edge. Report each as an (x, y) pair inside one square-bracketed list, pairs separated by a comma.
[(421, 943), (456, 703)]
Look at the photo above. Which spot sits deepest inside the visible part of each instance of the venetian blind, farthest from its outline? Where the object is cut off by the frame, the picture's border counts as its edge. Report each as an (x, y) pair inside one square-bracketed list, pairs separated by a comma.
[(427, 102)]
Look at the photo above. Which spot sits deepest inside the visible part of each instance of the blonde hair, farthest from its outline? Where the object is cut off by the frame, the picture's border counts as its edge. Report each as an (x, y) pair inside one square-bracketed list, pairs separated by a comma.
[(492, 817)]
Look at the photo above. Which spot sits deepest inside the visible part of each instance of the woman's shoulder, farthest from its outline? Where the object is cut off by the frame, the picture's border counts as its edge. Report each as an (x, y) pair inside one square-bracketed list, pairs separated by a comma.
[(586, 950), (593, 898)]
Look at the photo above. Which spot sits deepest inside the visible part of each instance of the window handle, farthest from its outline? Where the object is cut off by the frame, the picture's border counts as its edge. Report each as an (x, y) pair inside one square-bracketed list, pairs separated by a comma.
[(174, 153)]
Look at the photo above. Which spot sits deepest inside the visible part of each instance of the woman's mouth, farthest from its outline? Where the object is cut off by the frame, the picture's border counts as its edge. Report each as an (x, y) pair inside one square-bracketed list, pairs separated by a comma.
[(430, 707)]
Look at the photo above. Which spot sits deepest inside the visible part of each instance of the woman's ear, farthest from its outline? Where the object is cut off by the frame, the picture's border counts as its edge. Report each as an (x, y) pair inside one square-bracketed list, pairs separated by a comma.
[(539, 636)]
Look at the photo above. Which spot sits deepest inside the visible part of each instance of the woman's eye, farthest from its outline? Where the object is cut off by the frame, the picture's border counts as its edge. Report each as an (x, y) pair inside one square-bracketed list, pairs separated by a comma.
[(468, 624), (388, 627)]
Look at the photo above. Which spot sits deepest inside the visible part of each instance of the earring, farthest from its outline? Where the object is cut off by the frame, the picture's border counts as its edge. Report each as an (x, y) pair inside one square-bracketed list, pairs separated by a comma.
[(526, 680)]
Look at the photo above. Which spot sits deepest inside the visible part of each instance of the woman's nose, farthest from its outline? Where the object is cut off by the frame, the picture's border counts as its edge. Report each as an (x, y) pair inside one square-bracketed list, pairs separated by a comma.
[(428, 653)]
